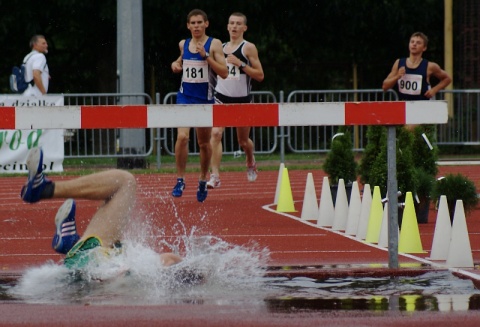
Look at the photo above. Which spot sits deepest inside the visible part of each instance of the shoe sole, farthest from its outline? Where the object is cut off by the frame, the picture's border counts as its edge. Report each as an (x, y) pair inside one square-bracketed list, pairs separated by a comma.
[(63, 213), (211, 187), (34, 161)]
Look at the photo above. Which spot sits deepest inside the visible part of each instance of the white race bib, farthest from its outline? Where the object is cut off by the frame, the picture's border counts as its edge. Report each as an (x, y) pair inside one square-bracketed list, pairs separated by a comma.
[(233, 72), (195, 71), (410, 84)]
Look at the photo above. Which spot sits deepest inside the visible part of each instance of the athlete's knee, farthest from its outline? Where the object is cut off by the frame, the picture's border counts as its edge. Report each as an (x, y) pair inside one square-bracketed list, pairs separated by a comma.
[(125, 178), (182, 138), (244, 143), (217, 136), (204, 145)]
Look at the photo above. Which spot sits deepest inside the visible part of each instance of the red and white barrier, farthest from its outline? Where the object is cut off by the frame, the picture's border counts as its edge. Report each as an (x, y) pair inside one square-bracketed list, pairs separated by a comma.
[(262, 114)]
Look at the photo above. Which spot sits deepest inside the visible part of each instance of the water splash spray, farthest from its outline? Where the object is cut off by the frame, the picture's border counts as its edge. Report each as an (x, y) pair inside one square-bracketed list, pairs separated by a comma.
[(136, 274)]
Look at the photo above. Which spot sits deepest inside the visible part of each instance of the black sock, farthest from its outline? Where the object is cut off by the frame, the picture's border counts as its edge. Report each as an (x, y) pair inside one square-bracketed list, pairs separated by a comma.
[(47, 192)]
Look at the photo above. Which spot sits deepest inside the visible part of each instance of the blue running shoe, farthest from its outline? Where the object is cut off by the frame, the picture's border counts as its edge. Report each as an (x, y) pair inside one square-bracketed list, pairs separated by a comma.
[(36, 182), (66, 230), (179, 187), (202, 191)]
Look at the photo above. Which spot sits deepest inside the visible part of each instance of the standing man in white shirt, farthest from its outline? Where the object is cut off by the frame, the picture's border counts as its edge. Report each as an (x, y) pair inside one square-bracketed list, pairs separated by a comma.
[(36, 71)]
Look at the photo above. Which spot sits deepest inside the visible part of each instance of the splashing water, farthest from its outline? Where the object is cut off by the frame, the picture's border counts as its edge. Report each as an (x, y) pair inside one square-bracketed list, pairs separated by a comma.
[(137, 276)]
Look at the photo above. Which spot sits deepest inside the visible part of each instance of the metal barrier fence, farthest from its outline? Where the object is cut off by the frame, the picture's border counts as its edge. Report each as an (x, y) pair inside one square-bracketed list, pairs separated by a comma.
[(102, 143), (264, 138), (464, 127), (316, 139)]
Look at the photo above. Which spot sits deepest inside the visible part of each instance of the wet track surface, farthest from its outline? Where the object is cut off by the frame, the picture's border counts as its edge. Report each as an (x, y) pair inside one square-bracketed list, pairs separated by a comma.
[(309, 276)]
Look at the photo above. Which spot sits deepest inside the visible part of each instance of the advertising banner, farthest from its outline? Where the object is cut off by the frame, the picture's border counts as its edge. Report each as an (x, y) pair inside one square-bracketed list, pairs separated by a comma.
[(15, 144)]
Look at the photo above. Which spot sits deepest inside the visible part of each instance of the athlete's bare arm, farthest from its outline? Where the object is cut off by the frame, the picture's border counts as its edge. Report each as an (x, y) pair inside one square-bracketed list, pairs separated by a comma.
[(393, 77), (434, 69), (177, 64), (218, 63)]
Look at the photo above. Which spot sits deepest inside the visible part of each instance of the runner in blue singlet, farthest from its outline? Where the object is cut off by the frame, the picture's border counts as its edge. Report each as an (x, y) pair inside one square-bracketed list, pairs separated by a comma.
[(201, 59)]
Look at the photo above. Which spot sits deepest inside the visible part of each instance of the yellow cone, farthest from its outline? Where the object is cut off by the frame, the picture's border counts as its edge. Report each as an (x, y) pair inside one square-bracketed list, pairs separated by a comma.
[(409, 241), (279, 183), (285, 198), (375, 219), (410, 300)]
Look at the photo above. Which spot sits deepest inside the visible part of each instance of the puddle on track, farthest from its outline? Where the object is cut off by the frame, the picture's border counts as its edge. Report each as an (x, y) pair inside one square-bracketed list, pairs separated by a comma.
[(235, 276), (433, 291)]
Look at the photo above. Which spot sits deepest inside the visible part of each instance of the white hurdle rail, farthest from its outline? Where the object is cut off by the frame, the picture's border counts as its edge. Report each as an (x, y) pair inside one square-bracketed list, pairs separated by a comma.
[(386, 113)]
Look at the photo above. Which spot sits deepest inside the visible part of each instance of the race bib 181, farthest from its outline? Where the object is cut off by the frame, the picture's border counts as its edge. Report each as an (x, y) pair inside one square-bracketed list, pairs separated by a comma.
[(195, 71)]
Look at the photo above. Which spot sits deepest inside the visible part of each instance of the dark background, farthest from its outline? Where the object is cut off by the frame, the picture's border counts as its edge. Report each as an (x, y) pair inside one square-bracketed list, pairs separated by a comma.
[(302, 44)]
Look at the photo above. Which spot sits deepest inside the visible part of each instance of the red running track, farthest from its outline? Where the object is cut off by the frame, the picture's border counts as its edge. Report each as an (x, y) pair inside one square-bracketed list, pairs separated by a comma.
[(234, 213)]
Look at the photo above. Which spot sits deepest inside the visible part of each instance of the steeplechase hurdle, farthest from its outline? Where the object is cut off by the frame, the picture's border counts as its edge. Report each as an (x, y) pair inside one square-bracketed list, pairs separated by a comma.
[(387, 113), (223, 115)]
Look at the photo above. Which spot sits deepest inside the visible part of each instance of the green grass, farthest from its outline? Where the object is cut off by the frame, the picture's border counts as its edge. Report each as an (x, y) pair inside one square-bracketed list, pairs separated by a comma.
[(229, 163), (266, 162)]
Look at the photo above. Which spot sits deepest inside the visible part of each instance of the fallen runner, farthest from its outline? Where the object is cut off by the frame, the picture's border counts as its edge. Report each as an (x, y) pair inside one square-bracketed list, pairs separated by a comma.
[(103, 235)]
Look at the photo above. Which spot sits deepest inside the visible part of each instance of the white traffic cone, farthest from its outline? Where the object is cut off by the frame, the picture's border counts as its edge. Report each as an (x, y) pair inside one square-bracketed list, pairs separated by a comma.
[(354, 209), (310, 207), (443, 232), (326, 211), (364, 212), (459, 252), (341, 207)]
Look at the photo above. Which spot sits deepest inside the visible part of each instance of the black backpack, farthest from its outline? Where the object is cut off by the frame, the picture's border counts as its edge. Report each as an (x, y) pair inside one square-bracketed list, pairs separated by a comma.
[(17, 78)]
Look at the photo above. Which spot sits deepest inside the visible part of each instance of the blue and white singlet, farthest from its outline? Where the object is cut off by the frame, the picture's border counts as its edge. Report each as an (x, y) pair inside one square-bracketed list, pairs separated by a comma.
[(198, 78)]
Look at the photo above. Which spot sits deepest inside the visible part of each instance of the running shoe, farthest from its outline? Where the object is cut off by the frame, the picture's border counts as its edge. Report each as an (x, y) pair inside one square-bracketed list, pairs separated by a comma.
[(66, 230), (252, 172), (214, 182), (202, 191), (179, 187), (37, 181)]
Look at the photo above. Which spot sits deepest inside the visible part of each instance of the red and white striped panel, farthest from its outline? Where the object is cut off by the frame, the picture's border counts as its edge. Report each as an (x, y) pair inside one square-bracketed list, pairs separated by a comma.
[(265, 114)]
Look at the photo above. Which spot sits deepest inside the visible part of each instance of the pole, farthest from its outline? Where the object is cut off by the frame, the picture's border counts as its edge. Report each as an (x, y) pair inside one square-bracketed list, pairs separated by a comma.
[(392, 188), (282, 136), (448, 51), (131, 77), (356, 142)]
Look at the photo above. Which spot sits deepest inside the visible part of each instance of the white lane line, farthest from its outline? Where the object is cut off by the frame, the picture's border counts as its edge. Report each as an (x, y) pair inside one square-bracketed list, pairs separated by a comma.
[(425, 261), (320, 251), (26, 255), (269, 235)]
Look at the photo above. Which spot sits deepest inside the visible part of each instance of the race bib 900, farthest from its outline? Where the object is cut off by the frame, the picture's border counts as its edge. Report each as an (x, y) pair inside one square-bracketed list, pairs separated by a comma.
[(410, 84), (195, 71)]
